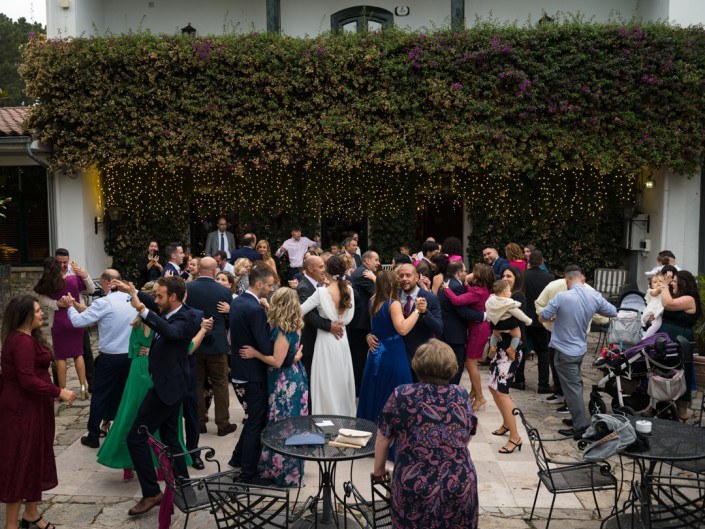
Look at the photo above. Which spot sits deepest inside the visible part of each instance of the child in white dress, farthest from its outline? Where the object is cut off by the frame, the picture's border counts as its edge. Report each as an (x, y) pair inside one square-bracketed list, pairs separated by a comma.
[(505, 316), (654, 307)]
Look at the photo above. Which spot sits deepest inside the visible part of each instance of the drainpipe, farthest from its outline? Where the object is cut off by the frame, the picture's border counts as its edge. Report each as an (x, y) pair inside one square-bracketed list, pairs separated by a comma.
[(51, 196), (664, 218)]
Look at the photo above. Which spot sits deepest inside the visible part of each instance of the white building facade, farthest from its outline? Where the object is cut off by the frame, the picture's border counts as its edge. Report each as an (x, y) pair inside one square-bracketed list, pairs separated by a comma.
[(673, 204)]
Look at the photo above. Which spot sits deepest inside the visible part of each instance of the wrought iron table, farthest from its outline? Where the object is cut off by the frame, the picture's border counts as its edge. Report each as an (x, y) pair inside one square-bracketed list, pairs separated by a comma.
[(326, 456), (669, 442)]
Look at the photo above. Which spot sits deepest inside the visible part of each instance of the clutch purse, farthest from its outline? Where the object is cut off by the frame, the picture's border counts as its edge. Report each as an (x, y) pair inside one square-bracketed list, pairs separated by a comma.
[(353, 437), (306, 439)]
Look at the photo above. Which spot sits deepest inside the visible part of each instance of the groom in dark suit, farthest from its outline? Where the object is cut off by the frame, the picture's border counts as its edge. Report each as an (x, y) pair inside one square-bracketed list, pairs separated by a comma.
[(455, 319), (169, 367), (248, 326), (360, 325)]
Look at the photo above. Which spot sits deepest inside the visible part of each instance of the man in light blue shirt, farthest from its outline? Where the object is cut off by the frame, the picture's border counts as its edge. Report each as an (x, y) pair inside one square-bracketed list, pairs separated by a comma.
[(571, 312), (113, 314)]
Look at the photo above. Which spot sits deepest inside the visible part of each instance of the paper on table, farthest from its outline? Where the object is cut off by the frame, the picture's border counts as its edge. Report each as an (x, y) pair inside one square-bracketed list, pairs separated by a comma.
[(324, 423)]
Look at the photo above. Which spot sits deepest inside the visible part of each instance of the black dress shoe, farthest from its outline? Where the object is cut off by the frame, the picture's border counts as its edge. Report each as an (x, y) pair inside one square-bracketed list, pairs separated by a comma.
[(197, 463), (87, 441), (225, 430), (521, 386), (257, 480), (544, 390), (204, 429), (572, 432), (568, 422)]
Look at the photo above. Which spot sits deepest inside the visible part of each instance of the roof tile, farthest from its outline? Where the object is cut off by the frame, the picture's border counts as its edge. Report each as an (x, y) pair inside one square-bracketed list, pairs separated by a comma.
[(11, 121)]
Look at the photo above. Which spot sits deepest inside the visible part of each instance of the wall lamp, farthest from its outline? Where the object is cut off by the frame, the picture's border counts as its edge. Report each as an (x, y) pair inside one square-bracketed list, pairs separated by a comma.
[(649, 184), (188, 30), (114, 213)]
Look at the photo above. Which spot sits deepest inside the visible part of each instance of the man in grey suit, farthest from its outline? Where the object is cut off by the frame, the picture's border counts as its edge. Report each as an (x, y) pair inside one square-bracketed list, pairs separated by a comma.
[(221, 239)]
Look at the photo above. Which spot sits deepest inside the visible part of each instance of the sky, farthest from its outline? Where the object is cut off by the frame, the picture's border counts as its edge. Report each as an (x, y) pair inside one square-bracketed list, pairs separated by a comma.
[(32, 10)]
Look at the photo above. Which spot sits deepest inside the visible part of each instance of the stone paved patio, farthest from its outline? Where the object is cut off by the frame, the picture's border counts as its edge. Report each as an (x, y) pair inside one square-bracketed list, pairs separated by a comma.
[(90, 495)]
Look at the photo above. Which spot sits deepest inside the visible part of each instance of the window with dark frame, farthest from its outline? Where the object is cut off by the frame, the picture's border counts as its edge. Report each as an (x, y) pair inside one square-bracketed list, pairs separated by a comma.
[(360, 19), (24, 232)]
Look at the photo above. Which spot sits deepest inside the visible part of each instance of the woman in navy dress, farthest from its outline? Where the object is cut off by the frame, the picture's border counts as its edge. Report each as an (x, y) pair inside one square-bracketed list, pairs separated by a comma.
[(387, 366), (434, 483)]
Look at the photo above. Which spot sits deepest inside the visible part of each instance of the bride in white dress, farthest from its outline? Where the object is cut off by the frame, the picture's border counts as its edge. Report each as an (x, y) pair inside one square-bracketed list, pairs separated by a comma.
[(332, 382)]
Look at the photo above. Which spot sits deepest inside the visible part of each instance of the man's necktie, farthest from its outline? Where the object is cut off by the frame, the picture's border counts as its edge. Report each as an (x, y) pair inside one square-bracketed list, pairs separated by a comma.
[(222, 242), (407, 306)]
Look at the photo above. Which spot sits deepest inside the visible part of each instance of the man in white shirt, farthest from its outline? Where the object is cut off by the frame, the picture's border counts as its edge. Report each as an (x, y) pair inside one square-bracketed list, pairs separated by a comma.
[(221, 261), (113, 314), (295, 248)]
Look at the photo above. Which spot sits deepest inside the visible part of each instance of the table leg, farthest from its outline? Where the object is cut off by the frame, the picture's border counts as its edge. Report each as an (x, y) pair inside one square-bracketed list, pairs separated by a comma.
[(327, 470)]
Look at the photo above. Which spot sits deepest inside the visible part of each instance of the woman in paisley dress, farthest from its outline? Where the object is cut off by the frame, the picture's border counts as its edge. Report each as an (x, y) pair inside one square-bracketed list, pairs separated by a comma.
[(434, 483), (286, 381)]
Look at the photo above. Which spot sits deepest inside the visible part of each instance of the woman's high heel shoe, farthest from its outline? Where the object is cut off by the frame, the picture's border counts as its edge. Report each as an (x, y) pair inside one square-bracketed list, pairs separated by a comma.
[(84, 392), (26, 524), (502, 430), (505, 450), (479, 404)]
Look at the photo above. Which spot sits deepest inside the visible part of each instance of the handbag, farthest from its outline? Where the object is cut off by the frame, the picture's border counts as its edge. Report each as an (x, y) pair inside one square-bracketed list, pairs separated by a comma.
[(668, 387), (306, 439), (353, 437)]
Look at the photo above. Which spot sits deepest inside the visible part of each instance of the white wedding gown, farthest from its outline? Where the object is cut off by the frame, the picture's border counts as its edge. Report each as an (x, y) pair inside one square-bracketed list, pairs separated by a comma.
[(332, 382)]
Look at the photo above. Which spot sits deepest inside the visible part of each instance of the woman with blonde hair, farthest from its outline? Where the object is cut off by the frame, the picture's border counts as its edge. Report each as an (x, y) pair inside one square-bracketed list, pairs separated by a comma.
[(387, 366), (515, 255), (266, 251), (286, 381), (242, 269)]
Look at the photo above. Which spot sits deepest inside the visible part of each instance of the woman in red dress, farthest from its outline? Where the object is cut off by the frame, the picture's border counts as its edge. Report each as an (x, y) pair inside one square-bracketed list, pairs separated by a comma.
[(27, 398)]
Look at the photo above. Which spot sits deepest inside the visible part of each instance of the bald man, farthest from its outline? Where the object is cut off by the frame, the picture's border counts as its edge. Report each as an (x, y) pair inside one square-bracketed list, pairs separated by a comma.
[(211, 359)]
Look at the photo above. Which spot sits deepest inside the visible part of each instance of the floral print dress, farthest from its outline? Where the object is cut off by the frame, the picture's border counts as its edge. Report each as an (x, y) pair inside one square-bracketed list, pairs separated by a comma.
[(434, 483), (288, 397)]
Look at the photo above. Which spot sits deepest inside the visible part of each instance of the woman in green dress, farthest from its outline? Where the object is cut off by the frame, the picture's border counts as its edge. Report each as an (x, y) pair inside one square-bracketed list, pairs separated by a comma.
[(113, 452)]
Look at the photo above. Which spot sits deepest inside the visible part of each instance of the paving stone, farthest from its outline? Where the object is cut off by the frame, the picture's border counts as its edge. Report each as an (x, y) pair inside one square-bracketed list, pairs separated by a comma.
[(115, 515), (76, 515)]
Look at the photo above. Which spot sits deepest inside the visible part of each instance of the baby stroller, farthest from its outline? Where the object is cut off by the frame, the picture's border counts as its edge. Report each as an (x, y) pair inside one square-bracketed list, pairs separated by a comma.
[(626, 329), (649, 373)]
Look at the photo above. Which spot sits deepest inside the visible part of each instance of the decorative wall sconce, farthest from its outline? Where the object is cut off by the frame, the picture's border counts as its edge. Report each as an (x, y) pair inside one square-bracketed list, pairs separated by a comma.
[(114, 213), (649, 184), (188, 30)]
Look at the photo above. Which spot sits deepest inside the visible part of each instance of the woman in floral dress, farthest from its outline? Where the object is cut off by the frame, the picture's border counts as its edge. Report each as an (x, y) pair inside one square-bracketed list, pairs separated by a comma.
[(286, 381), (431, 423)]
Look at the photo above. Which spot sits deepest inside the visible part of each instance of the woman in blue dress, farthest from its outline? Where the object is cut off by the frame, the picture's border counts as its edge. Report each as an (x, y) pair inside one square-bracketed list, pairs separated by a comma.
[(287, 384), (387, 366)]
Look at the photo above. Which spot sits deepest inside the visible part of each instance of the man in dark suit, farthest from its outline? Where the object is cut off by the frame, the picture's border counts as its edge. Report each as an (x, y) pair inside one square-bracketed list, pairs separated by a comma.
[(211, 359), (176, 255), (430, 322), (247, 250), (491, 256), (535, 280), (350, 248), (248, 326), (455, 319), (220, 239), (169, 367), (314, 277), (357, 329), (428, 249)]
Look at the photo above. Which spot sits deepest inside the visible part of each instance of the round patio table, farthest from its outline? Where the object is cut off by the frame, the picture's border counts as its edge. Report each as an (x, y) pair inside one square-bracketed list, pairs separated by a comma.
[(326, 456)]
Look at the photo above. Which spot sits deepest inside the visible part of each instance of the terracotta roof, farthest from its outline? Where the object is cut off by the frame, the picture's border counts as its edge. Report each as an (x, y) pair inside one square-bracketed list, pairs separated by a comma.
[(11, 119)]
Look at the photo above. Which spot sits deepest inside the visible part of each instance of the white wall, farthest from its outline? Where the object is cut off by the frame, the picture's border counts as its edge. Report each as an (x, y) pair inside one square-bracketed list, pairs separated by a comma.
[(77, 204), (61, 22), (687, 12), (674, 209), (520, 10)]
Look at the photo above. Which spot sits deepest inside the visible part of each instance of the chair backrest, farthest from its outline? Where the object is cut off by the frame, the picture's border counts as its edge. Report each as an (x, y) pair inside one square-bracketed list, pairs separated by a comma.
[(608, 281), (237, 505), (542, 458), (675, 501), (381, 498)]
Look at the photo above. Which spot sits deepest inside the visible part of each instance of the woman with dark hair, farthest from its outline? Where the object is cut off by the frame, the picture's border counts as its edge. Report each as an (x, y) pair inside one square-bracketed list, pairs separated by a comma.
[(66, 339), (503, 369), (332, 382), (528, 250), (27, 423), (681, 311), (434, 482), (478, 288), (439, 266), (387, 366), (453, 248), (515, 277)]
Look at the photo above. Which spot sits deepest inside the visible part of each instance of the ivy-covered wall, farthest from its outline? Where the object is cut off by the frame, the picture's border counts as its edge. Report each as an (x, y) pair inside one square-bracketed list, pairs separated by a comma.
[(508, 118)]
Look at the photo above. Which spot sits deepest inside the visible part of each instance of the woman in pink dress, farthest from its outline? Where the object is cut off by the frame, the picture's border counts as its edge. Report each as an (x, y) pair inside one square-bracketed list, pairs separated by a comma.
[(66, 339), (478, 288), (27, 465), (515, 255)]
